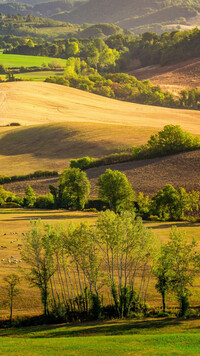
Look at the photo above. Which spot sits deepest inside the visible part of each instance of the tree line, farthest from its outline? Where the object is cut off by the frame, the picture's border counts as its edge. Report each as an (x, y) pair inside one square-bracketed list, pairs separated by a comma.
[(149, 48), (114, 192), (86, 272)]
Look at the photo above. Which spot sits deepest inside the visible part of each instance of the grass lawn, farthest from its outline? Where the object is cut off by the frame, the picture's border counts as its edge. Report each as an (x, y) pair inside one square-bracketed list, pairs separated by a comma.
[(17, 61), (131, 337)]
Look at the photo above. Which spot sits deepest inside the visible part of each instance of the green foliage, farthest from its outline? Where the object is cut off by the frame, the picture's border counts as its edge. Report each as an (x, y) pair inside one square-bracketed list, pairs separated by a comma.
[(171, 204), (74, 188), (30, 198), (37, 254), (82, 163), (182, 266), (45, 201), (115, 189), (36, 174), (172, 139), (12, 281)]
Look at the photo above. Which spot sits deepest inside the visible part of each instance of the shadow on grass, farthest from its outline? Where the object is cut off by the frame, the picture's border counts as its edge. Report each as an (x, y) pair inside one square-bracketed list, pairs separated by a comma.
[(172, 223), (95, 328), (50, 217)]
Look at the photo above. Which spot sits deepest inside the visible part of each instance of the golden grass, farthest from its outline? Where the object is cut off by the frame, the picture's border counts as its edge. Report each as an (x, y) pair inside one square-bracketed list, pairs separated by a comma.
[(32, 103), (12, 222), (18, 221), (61, 123), (51, 146)]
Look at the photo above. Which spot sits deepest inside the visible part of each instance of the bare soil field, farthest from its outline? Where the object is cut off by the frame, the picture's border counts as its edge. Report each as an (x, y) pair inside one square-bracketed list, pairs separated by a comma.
[(148, 176), (173, 77)]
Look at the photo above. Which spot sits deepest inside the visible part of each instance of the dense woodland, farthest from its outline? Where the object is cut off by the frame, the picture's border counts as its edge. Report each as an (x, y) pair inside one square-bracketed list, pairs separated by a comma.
[(96, 65), (149, 48)]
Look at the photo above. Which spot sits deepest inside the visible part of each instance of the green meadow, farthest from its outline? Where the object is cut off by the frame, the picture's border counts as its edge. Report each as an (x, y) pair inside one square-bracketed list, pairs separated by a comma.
[(140, 337), (17, 61), (35, 76)]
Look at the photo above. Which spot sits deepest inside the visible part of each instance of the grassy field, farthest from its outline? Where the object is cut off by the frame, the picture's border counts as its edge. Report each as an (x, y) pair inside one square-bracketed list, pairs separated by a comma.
[(13, 223), (149, 337), (17, 61), (35, 76)]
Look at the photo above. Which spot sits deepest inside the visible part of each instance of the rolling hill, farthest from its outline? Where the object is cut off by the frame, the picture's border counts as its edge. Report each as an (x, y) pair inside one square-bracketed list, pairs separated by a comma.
[(59, 123), (132, 14), (147, 176)]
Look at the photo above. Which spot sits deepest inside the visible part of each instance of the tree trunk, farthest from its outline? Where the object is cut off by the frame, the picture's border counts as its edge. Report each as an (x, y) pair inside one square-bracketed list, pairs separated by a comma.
[(163, 301)]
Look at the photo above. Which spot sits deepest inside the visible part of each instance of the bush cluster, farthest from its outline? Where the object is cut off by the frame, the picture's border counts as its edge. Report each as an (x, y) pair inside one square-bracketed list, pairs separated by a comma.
[(36, 174)]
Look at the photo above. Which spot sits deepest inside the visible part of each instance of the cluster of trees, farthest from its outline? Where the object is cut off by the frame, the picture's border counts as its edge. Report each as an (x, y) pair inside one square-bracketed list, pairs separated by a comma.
[(114, 192), (87, 272), (171, 140), (149, 48)]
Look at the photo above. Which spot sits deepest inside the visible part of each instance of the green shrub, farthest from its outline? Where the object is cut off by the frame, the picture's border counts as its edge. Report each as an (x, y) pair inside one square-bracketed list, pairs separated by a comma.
[(82, 163), (10, 205), (96, 204), (45, 201)]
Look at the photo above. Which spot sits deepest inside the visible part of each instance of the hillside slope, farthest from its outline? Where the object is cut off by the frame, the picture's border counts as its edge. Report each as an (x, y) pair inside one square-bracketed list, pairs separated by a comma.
[(32, 103), (146, 176), (131, 13), (173, 77), (60, 123)]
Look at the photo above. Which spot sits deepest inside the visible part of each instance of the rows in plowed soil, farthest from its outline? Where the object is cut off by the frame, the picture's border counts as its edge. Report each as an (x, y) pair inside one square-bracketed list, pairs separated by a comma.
[(172, 77), (148, 176)]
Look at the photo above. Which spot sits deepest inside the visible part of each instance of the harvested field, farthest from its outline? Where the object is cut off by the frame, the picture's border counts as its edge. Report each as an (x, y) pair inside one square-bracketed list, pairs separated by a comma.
[(32, 103), (173, 77), (61, 123), (146, 176)]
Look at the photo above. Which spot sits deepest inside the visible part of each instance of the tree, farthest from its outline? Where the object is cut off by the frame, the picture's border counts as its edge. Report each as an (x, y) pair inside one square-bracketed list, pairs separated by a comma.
[(12, 280), (171, 204), (30, 197), (127, 247), (39, 258), (172, 139), (162, 272), (182, 267), (115, 189), (74, 188)]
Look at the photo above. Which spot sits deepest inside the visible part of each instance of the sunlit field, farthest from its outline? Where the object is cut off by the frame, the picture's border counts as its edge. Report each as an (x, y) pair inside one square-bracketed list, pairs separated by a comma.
[(125, 337), (15, 223), (17, 60)]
